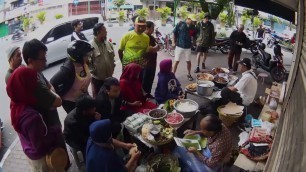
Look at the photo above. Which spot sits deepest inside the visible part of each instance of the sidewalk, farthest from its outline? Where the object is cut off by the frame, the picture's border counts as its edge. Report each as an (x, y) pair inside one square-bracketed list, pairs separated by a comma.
[(16, 161)]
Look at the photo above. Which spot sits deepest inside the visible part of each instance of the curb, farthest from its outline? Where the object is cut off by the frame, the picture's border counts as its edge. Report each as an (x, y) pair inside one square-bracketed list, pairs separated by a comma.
[(8, 152)]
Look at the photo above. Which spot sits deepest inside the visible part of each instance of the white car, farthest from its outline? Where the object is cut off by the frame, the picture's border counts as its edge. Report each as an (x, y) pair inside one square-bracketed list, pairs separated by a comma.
[(57, 35)]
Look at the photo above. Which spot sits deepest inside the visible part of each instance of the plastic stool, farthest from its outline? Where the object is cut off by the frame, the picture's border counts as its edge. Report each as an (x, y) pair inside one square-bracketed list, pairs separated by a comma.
[(263, 76)]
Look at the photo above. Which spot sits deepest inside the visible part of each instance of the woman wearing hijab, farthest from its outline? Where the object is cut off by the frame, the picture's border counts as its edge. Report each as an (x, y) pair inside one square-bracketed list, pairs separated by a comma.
[(101, 156), (131, 89), (168, 87), (37, 140)]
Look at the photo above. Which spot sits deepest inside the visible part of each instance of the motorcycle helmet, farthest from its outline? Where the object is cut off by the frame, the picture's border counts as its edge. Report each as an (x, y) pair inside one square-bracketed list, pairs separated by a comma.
[(262, 46), (77, 49)]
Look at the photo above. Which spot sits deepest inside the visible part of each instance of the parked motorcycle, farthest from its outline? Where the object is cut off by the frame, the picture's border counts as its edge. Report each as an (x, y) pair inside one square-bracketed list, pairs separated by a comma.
[(221, 44), (274, 65), (160, 39), (164, 42), (254, 45), (17, 35)]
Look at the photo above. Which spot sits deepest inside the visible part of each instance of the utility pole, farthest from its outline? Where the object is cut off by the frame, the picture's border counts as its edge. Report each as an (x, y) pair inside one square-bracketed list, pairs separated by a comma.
[(154, 10)]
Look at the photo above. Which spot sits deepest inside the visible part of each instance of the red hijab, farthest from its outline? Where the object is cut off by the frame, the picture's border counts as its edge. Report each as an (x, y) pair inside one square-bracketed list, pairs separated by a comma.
[(131, 73), (20, 88), (130, 82)]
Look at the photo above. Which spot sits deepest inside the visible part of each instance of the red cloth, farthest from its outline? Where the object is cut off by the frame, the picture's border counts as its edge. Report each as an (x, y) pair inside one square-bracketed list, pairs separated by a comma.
[(20, 88), (131, 88)]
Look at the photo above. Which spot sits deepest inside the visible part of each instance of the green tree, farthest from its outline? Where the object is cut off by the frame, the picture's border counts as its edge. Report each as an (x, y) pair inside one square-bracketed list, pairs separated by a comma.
[(121, 15), (26, 21), (118, 3), (230, 14), (164, 12), (244, 19), (183, 12), (58, 16), (256, 22), (273, 20), (214, 8), (201, 15), (143, 12), (41, 16)]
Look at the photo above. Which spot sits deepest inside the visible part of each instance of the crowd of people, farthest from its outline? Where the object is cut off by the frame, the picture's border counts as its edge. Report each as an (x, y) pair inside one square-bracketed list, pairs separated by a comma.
[(94, 119)]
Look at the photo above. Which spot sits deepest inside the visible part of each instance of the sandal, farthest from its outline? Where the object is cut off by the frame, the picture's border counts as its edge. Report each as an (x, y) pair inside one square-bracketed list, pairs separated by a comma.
[(189, 77)]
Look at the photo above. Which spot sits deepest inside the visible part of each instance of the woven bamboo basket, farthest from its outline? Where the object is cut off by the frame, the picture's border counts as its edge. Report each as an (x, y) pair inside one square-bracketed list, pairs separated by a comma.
[(228, 120)]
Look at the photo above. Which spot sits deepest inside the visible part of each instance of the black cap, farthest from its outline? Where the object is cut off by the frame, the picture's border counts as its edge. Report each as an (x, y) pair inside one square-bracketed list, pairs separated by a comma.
[(246, 62)]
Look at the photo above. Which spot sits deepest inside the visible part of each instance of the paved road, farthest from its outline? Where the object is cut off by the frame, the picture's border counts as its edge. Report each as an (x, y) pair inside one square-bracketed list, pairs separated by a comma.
[(115, 33)]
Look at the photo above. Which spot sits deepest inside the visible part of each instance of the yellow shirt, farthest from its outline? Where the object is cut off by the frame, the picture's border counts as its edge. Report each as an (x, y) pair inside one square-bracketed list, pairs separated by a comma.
[(134, 46)]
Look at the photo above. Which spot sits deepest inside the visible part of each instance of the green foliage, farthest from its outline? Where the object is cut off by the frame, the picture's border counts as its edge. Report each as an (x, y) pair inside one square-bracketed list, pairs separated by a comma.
[(214, 8), (118, 3), (164, 12), (26, 22), (230, 14), (201, 15), (41, 16), (121, 15), (223, 17), (143, 12), (183, 12), (257, 22), (58, 16), (244, 19), (221, 35)]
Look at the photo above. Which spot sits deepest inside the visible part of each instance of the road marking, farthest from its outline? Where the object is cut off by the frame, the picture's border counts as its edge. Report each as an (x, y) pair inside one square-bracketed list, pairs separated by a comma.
[(8, 152)]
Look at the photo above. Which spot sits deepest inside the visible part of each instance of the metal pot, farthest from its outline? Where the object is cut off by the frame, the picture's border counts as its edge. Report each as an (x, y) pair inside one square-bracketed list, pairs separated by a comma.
[(205, 88)]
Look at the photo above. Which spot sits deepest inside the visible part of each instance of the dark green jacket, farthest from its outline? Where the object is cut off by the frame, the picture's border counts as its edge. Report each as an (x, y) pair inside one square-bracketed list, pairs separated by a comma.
[(205, 34)]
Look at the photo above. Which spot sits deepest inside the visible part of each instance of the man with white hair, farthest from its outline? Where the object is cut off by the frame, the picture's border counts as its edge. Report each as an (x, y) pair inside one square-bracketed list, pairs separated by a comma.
[(237, 41)]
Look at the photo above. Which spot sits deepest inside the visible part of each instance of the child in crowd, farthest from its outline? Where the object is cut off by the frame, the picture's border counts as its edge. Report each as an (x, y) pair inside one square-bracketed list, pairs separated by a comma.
[(131, 89), (168, 87)]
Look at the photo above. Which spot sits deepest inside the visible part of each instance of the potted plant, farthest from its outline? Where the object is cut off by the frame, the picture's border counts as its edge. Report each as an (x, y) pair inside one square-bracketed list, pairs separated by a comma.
[(183, 12), (121, 17), (143, 12), (201, 15), (256, 22), (223, 18), (41, 16), (58, 16), (164, 13)]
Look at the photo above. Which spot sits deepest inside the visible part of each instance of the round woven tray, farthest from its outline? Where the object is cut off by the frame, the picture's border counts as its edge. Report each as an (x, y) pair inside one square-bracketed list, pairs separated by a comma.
[(158, 143), (228, 120)]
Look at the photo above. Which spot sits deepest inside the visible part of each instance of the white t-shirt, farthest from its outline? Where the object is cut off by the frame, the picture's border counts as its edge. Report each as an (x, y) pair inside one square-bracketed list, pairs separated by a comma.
[(247, 87)]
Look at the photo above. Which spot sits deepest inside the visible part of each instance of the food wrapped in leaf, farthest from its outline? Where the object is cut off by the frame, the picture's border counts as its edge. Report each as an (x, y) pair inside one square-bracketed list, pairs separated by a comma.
[(163, 163)]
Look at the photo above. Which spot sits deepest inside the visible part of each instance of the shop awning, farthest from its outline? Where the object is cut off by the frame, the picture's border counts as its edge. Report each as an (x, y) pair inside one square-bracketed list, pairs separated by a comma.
[(125, 6), (269, 7)]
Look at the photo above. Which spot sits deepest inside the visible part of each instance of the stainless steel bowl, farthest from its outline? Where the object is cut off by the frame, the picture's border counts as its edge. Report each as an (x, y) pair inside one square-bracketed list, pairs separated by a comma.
[(187, 113)]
